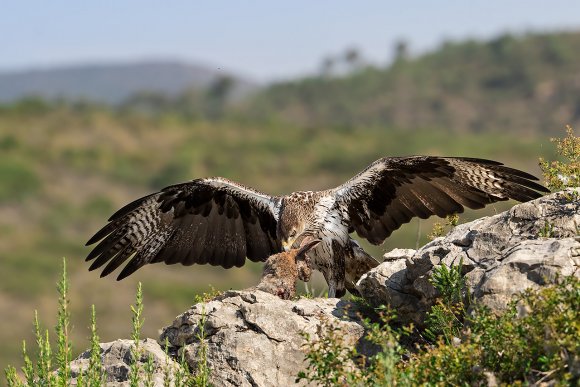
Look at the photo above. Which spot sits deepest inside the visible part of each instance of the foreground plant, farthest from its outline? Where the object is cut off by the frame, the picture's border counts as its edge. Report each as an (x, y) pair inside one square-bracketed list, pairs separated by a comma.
[(446, 317), (39, 372), (330, 359), (38, 369), (439, 229), (566, 173), (537, 339)]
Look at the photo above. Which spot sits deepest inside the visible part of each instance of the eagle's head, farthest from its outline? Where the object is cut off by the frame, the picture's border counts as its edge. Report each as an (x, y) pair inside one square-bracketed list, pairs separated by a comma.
[(295, 215)]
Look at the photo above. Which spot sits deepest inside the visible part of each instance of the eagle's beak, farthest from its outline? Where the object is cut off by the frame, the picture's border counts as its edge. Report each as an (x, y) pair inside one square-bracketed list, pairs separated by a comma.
[(286, 245)]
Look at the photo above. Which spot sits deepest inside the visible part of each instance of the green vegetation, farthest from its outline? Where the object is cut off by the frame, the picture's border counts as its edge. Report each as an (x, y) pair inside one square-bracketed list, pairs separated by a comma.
[(136, 352), (95, 373), (330, 360), (446, 318), (565, 173), (439, 229), (547, 231), (522, 83), (200, 377), (65, 167), (64, 353), (535, 340), (41, 373)]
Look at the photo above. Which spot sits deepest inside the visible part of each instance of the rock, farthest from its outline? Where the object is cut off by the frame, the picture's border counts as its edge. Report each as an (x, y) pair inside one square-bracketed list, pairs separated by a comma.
[(254, 338), (385, 285), (528, 246), (116, 360)]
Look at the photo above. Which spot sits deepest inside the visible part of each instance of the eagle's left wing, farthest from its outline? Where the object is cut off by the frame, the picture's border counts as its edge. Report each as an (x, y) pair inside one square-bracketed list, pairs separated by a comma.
[(211, 220), (393, 190)]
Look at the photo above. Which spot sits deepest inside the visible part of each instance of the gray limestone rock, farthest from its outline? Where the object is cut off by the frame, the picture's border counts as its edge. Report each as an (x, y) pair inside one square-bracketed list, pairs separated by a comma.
[(254, 338), (116, 360), (525, 247)]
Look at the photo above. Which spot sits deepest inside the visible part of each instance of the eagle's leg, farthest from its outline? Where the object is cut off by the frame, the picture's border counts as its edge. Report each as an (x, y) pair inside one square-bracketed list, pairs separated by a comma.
[(334, 274), (338, 293), (333, 286)]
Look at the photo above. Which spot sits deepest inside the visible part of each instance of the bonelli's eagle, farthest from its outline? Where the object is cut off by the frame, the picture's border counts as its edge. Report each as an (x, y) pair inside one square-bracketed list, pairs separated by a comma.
[(220, 222)]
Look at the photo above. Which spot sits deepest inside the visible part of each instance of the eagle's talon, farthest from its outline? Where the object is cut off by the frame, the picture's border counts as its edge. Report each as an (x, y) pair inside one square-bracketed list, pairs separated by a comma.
[(304, 270)]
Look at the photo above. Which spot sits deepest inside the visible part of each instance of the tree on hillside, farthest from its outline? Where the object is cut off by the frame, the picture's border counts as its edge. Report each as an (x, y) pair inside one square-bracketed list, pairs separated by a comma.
[(217, 96), (401, 51), (353, 58)]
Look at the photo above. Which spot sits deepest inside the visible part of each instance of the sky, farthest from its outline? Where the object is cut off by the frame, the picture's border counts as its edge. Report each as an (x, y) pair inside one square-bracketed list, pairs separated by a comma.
[(263, 40)]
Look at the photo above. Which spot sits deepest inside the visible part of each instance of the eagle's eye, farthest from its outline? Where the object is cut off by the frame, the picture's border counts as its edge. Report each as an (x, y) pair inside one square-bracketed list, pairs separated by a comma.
[(292, 233)]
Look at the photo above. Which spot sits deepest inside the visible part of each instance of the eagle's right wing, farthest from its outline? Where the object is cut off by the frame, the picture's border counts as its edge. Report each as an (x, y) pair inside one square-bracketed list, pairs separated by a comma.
[(393, 190), (212, 220)]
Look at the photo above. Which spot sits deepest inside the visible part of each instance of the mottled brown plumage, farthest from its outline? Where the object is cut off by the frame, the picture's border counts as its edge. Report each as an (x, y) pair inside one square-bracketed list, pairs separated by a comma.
[(219, 222)]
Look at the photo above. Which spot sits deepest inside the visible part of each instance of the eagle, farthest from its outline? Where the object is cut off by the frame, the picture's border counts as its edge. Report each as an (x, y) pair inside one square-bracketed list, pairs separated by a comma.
[(220, 222)]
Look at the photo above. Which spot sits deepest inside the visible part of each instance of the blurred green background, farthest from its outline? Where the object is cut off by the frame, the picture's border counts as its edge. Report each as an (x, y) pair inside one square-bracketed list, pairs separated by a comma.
[(67, 163)]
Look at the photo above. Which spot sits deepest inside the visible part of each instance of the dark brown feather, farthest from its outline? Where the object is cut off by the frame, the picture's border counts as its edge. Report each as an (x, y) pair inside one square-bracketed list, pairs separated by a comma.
[(399, 188), (213, 221)]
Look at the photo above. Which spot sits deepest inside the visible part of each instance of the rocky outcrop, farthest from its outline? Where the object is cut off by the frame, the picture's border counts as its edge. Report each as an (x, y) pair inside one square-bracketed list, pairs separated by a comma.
[(253, 338), (116, 360), (528, 246)]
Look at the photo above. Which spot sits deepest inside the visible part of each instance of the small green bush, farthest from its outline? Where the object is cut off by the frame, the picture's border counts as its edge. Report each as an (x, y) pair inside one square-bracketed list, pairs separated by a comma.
[(38, 370), (566, 173), (329, 358), (536, 339), (439, 229), (17, 180), (445, 320)]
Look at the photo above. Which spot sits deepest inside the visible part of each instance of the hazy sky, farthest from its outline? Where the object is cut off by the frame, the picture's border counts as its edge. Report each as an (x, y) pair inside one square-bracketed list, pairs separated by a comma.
[(261, 39)]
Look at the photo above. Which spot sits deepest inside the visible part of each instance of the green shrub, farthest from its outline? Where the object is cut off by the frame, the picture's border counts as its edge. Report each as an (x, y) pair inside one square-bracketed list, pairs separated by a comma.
[(17, 180), (536, 339), (329, 358), (38, 370), (439, 229), (445, 320), (566, 173)]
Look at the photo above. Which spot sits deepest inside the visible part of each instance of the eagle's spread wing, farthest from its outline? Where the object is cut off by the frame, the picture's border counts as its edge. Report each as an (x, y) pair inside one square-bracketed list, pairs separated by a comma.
[(391, 191), (211, 220)]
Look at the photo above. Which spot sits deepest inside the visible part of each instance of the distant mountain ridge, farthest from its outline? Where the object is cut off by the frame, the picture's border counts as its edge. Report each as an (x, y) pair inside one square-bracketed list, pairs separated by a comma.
[(112, 82)]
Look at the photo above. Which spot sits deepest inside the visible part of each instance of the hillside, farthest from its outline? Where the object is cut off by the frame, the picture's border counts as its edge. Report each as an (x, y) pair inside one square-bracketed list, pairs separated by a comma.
[(64, 171), (522, 84), (66, 167), (112, 83)]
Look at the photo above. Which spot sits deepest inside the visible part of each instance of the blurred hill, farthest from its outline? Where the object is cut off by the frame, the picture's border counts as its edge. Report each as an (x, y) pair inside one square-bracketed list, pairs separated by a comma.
[(113, 83), (66, 166), (524, 84)]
